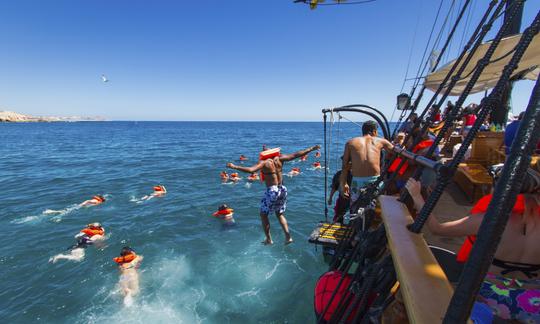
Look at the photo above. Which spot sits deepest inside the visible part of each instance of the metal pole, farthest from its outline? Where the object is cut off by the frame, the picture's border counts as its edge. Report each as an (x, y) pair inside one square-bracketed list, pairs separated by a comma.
[(325, 174), (498, 212), (500, 115)]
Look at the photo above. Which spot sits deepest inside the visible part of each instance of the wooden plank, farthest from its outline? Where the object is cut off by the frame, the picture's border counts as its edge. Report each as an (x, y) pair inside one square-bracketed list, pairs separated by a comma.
[(425, 288)]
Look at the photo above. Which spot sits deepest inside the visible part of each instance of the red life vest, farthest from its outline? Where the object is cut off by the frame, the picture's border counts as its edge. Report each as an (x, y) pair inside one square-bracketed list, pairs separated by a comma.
[(268, 154), (223, 212), (479, 208), (470, 119), (420, 146), (125, 259), (93, 231)]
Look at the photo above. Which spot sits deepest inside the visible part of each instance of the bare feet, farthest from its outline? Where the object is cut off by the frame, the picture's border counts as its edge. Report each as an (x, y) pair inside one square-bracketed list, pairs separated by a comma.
[(267, 242), (288, 241)]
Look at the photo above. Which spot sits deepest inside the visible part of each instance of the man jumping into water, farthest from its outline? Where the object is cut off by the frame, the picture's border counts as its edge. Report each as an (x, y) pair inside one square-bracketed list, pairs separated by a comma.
[(362, 157), (275, 196)]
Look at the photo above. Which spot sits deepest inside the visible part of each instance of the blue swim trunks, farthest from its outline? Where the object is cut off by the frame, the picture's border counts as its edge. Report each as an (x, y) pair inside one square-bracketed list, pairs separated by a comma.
[(274, 200)]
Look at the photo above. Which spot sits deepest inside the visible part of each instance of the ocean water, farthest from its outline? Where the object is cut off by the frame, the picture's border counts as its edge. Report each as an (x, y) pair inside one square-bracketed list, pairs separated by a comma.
[(194, 270)]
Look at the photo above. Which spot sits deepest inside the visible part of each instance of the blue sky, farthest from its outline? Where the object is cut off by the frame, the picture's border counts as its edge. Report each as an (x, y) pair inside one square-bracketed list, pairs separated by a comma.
[(212, 60)]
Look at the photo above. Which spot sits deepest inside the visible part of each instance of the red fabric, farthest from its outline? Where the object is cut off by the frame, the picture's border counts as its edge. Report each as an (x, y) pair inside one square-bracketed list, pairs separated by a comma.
[(437, 118), (91, 232), (470, 119), (480, 208), (420, 146), (326, 285)]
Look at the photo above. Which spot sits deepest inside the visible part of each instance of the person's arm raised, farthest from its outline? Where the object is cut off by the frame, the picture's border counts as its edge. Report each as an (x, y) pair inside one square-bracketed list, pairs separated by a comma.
[(295, 155), (250, 169)]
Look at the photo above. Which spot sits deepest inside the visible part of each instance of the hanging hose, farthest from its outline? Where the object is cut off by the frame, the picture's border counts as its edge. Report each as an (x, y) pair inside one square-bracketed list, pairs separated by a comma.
[(325, 173)]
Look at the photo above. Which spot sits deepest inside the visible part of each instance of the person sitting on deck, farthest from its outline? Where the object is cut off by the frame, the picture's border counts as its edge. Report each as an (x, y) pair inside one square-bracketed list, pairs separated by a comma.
[(96, 200), (342, 202), (468, 120), (511, 131), (408, 168), (275, 197), (408, 125), (511, 288), (436, 113), (364, 154)]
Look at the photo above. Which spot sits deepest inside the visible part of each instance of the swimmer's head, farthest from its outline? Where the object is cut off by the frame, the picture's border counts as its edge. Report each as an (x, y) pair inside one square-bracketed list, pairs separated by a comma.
[(94, 225), (126, 250), (223, 207), (100, 198)]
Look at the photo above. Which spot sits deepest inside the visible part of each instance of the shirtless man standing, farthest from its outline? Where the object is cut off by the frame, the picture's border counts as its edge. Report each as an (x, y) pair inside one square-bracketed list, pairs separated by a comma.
[(364, 155), (275, 196)]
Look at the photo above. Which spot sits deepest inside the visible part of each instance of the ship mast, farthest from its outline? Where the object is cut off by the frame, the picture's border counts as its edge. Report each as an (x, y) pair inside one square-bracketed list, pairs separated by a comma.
[(499, 116)]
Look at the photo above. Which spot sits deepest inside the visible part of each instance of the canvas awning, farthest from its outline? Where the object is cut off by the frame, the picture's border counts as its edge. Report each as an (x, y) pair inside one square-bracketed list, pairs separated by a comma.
[(528, 68)]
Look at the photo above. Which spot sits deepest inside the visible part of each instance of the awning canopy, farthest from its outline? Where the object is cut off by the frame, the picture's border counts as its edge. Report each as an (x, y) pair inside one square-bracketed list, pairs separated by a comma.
[(528, 68)]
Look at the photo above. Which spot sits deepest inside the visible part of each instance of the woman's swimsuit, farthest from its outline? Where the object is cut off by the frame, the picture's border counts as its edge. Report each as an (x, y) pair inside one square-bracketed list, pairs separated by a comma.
[(509, 300)]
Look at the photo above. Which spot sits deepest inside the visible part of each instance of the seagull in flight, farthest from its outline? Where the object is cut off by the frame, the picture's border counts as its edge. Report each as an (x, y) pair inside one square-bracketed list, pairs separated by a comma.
[(104, 78)]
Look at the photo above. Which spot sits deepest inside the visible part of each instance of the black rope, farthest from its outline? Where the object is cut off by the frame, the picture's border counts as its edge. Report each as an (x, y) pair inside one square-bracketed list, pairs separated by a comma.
[(486, 106), (498, 212), (325, 173)]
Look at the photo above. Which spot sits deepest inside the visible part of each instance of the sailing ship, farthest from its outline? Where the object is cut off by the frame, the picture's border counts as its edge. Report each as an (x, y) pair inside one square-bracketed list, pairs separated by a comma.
[(378, 254)]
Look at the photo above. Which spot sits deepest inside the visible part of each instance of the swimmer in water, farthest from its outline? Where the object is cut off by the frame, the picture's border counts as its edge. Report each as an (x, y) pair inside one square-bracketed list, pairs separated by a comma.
[(159, 191), (234, 177), (225, 213), (89, 235), (294, 172), (243, 157), (128, 263), (224, 176), (96, 200), (318, 154), (253, 177), (304, 158), (317, 165)]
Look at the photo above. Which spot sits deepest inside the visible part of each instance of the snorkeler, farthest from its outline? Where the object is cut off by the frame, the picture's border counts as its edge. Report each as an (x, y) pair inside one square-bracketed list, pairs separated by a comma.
[(294, 172), (89, 235), (224, 176), (253, 177), (159, 191), (234, 177), (318, 154), (128, 262), (225, 213), (96, 200), (243, 158), (317, 165)]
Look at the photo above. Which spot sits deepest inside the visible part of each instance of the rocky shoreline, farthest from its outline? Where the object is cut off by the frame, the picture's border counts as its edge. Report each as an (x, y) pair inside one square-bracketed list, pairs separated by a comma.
[(13, 117)]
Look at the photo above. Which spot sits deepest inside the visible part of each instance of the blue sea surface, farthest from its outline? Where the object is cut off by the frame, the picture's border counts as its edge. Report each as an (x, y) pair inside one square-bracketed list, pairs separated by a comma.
[(194, 269)]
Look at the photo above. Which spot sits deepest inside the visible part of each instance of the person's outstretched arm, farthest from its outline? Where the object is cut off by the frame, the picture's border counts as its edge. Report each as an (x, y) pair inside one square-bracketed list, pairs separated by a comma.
[(295, 155), (250, 169), (468, 225)]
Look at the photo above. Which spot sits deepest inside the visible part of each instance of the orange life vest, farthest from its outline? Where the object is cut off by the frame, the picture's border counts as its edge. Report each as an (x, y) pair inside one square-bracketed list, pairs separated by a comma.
[(99, 199), (420, 146), (125, 258), (479, 208), (223, 212), (93, 231), (158, 188), (268, 154)]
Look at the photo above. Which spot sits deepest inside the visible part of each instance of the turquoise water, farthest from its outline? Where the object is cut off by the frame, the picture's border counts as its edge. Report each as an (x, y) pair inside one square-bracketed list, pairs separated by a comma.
[(194, 271)]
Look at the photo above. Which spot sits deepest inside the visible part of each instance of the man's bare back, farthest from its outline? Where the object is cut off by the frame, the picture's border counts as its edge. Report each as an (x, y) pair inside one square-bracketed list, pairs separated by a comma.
[(365, 155), (272, 170)]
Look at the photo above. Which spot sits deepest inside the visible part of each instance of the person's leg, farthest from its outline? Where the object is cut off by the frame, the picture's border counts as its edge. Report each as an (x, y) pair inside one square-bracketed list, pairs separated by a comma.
[(266, 228), (284, 226)]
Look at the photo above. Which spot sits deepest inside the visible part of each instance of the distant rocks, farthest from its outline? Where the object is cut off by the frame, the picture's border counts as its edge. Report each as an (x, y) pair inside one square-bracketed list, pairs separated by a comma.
[(13, 117)]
